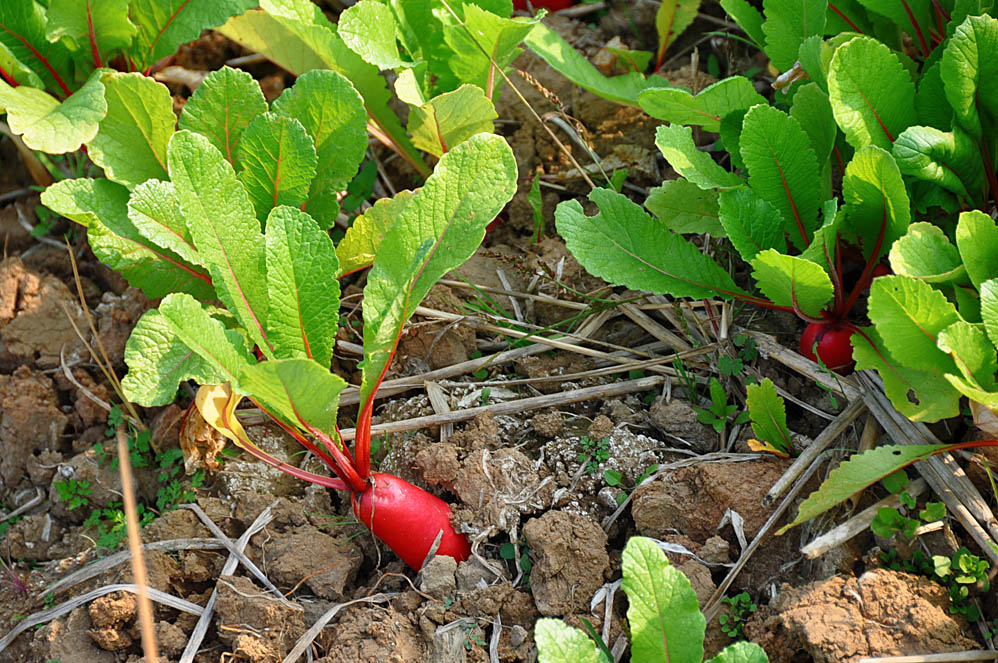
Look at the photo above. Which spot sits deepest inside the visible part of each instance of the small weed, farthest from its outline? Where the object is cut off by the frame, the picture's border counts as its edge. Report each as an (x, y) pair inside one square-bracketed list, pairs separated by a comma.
[(594, 453), (483, 397), (716, 414), (471, 638), (740, 606), (507, 551), (74, 492)]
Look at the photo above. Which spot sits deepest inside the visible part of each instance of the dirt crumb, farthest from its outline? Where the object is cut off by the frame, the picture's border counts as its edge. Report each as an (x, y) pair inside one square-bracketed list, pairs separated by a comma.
[(257, 625), (570, 558)]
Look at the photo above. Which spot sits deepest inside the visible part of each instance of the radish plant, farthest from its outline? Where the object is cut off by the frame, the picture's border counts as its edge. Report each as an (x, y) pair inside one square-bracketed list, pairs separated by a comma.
[(53, 55), (241, 220)]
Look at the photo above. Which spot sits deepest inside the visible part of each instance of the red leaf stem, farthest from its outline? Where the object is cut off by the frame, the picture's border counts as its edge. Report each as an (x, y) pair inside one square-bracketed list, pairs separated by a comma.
[(94, 49), (867, 276), (918, 29), (844, 18), (11, 81), (41, 58)]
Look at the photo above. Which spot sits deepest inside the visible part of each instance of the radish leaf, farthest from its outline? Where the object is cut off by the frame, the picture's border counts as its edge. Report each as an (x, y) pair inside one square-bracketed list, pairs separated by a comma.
[(222, 107), (788, 23), (163, 25), (969, 71), (876, 201), (301, 391), (769, 416), (677, 146), (685, 208), (557, 642), (977, 239), (154, 210), (792, 281), (671, 20), (926, 253), (947, 158), (707, 108), (78, 21), (277, 162), (50, 125), (368, 28), (449, 118), (360, 243), (751, 223)]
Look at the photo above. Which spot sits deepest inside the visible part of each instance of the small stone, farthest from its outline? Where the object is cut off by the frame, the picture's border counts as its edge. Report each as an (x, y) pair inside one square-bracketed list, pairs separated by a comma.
[(471, 575), (570, 559), (716, 551), (437, 577)]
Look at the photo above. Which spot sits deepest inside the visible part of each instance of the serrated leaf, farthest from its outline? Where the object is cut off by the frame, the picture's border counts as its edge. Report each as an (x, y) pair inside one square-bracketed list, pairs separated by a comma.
[(812, 109), (17, 71), (872, 95), (493, 34), (782, 169), (98, 27), (131, 143), (989, 308), (911, 16), (741, 652), (155, 212), (707, 108), (222, 107), (369, 29), (671, 20), (361, 242), (931, 106), (769, 416), (926, 253), (300, 390), (918, 395), (52, 126), (665, 618), (301, 283), (277, 162), (977, 240), (793, 281), (969, 71), (300, 46), (677, 146), (224, 228), (973, 353), (158, 362), (558, 53), (622, 244), (947, 158), (438, 230), (788, 23), (102, 206), (450, 118), (685, 208), (876, 201), (333, 114), (23, 38), (163, 25), (751, 223), (748, 19), (815, 55), (909, 315), (205, 335), (557, 642), (857, 473)]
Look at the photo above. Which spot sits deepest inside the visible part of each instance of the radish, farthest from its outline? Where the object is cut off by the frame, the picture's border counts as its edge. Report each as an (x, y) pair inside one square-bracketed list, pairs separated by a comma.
[(389, 506), (833, 345)]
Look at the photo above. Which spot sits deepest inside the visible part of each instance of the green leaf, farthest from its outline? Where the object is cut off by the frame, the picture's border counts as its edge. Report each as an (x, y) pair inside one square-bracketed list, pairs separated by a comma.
[(222, 107), (912, 16), (622, 244), (131, 143), (163, 25), (989, 308), (158, 362), (872, 95), (813, 111), (931, 105), (949, 159), (969, 71), (50, 125), (24, 40), (977, 239), (788, 24), (751, 223), (685, 208), (857, 473), (793, 281), (102, 207), (224, 228), (17, 70), (206, 336), (748, 19), (361, 242), (450, 118), (368, 28), (769, 415), (671, 20), (497, 36), (876, 200), (333, 114), (558, 53), (918, 395), (926, 253), (300, 390), (91, 24), (557, 642), (302, 286), (973, 354), (707, 108), (676, 144), (741, 652), (665, 618), (277, 162), (909, 314), (438, 230), (782, 169), (300, 46), (154, 210)]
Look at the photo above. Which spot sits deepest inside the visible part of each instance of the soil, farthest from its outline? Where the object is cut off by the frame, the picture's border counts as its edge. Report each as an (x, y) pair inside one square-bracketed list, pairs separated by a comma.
[(538, 494)]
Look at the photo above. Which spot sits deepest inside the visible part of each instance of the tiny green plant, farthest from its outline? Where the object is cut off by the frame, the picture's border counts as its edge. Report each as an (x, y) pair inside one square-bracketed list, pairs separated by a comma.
[(740, 608), (664, 617), (507, 551), (717, 413), (594, 453), (74, 492)]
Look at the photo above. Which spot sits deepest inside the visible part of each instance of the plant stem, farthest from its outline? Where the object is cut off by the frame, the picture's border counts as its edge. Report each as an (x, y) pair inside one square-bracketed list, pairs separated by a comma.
[(867, 276)]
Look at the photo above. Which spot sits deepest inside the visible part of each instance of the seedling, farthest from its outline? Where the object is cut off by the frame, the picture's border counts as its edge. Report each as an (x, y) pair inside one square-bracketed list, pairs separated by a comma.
[(717, 413), (594, 453), (507, 551), (74, 492), (740, 607)]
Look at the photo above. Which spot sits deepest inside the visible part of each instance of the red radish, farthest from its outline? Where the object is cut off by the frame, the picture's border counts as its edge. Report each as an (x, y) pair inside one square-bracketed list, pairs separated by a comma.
[(390, 506), (833, 345), (550, 5)]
